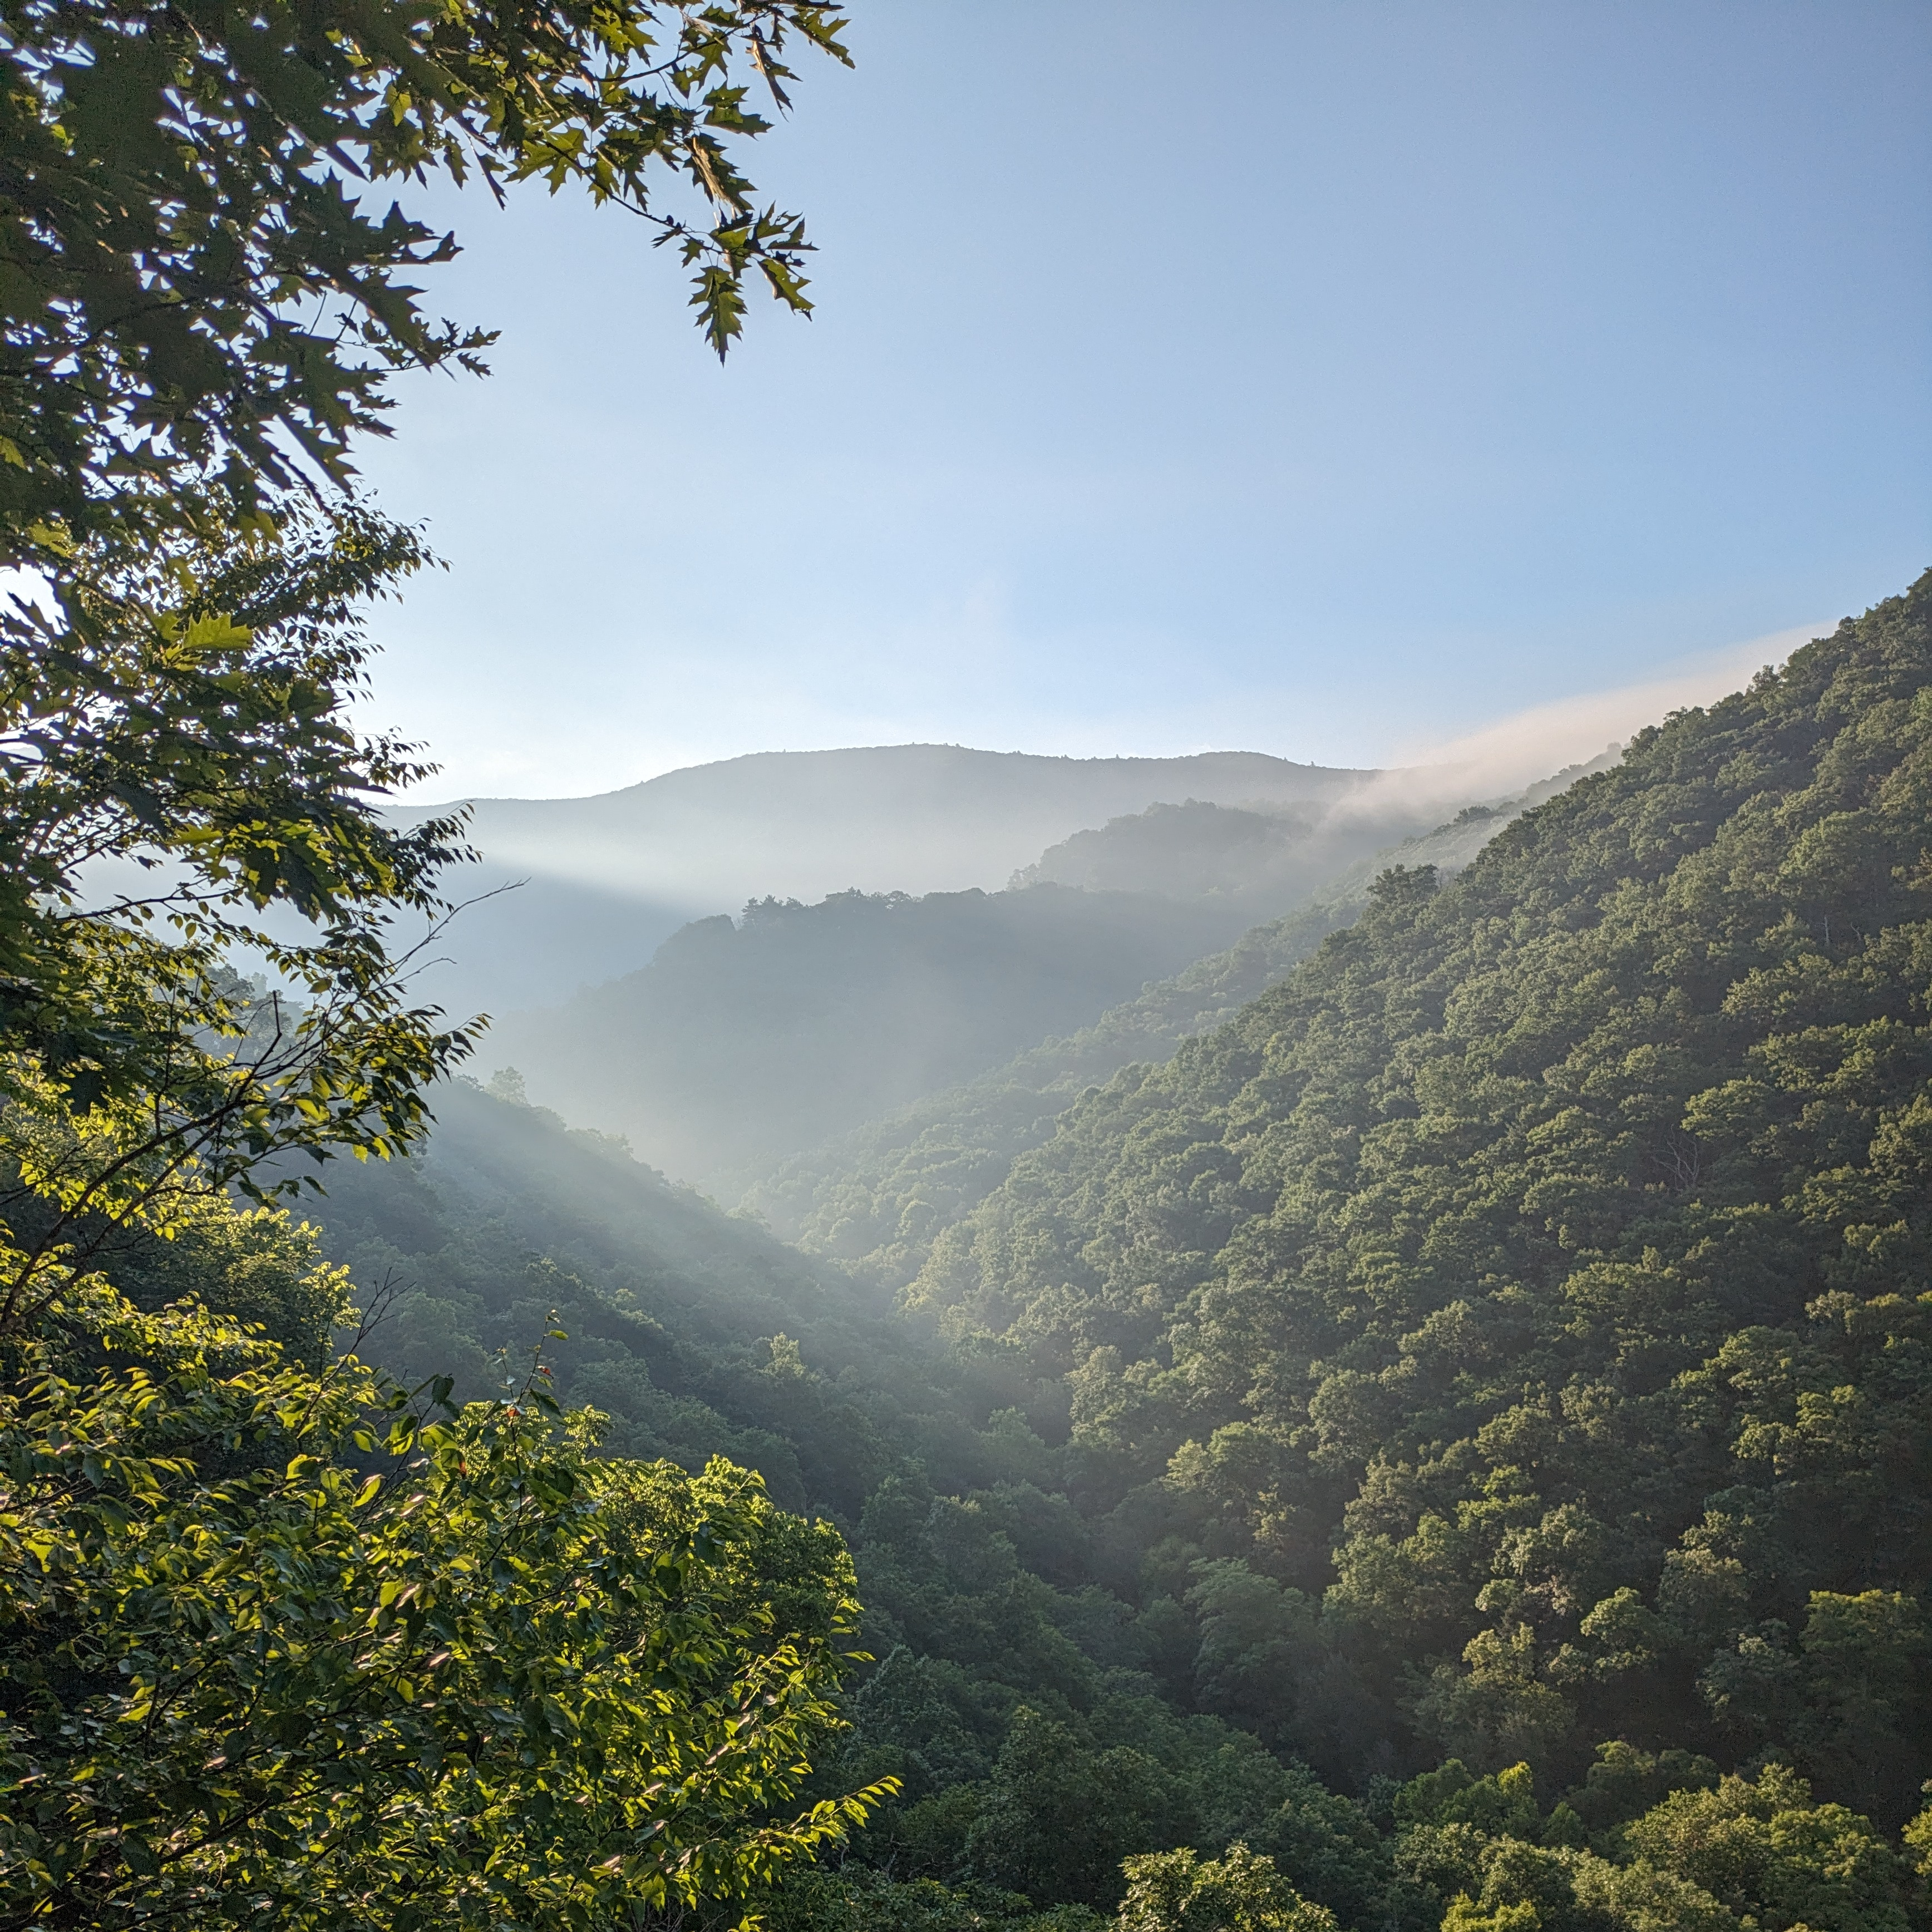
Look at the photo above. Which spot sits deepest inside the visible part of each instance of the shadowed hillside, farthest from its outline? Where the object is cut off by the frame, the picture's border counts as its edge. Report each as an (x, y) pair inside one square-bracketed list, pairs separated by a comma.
[(1530, 1292), (743, 1041)]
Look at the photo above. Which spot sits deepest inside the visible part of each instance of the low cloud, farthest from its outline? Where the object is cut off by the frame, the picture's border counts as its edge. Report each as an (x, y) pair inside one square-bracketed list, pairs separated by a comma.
[(1516, 750)]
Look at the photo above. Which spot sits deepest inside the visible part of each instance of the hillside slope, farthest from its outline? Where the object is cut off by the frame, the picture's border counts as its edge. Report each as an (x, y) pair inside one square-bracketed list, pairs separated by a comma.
[(742, 1042), (878, 1198), (505, 1216), (697, 1334), (1529, 1295), (1265, 858), (1505, 1339)]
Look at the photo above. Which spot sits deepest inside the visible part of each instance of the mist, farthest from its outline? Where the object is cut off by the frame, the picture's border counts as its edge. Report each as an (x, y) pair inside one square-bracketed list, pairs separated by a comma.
[(1518, 748), (573, 892)]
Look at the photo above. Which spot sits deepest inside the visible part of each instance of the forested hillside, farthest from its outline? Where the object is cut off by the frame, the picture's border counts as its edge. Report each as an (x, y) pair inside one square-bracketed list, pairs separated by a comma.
[(1263, 857), (743, 1041), (1005, 1676), (669, 1306), (877, 1199), (1521, 1311)]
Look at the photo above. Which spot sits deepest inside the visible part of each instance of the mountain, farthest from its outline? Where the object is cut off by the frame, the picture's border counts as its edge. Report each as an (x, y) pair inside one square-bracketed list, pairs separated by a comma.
[(743, 1041), (1525, 1303), (586, 888), (877, 1199), (1265, 858)]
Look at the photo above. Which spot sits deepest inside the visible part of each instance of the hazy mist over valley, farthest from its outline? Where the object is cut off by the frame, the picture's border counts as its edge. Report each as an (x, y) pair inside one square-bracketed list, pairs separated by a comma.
[(609, 877), (733, 1045), (570, 892)]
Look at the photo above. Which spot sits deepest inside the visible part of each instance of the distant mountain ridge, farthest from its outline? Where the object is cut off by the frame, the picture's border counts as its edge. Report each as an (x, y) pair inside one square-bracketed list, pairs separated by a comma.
[(605, 879), (789, 801)]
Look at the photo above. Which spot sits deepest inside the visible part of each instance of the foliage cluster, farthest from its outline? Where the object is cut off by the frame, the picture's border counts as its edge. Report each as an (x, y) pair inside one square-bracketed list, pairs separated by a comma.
[(282, 1648), (199, 314), (199, 305), (178, 783), (278, 1647)]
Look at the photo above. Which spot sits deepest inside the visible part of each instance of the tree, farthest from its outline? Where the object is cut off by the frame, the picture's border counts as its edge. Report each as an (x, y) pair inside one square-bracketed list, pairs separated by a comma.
[(250, 1667), (1764, 1850), (255, 1666), (172, 772), (198, 315), (1177, 1892), (1057, 1819), (201, 299)]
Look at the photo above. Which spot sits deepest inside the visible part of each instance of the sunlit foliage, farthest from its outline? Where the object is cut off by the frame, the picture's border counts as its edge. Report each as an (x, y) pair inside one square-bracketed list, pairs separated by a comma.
[(281, 1650)]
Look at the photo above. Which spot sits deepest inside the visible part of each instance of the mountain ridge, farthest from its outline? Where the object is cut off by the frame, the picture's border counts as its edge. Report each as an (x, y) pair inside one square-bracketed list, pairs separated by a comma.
[(877, 1197), (572, 891)]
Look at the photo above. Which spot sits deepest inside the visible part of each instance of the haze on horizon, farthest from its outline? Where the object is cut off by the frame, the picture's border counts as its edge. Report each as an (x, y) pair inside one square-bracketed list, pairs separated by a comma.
[(1498, 755)]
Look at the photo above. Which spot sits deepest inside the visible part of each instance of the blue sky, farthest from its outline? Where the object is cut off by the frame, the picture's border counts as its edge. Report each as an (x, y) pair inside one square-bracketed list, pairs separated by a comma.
[(1325, 379)]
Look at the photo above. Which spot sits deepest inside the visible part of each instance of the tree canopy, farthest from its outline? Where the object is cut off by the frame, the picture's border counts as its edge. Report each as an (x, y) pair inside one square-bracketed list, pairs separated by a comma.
[(1517, 1317), (280, 1650), (163, 789), (201, 292), (200, 307)]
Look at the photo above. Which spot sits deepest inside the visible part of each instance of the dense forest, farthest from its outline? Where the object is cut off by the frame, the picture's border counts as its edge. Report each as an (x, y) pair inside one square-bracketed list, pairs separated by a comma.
[(1519, 1313), (1456, 1431)]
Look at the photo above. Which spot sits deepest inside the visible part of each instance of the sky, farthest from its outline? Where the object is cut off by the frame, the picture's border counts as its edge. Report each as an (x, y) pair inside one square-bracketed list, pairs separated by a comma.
[(1335, 380)]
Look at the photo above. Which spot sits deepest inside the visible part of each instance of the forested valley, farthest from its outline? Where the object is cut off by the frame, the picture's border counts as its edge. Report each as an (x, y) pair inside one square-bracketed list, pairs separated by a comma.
[(1364, 1374), (1455, 1427)]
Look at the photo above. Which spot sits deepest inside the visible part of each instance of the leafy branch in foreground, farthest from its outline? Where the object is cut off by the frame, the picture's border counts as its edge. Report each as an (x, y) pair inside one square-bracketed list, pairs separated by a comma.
[(199, 303), (252, 1669), (282, 1648), (198, 317), (179, 783)]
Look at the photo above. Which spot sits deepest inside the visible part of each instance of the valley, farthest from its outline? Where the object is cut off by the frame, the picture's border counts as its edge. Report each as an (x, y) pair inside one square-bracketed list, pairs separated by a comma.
[(1457, 1353), (1099, 1103)]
